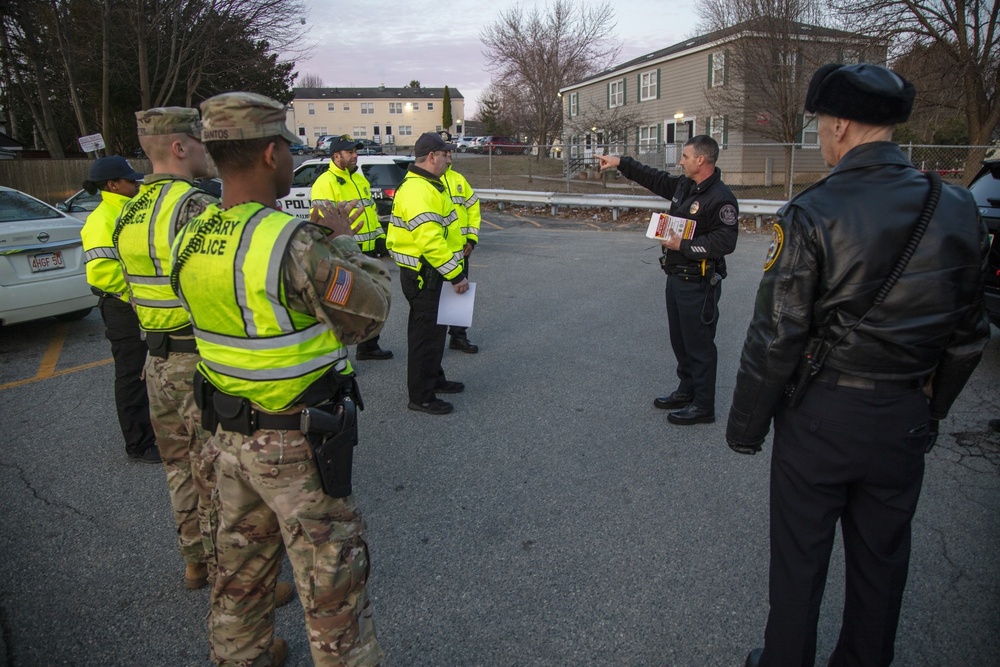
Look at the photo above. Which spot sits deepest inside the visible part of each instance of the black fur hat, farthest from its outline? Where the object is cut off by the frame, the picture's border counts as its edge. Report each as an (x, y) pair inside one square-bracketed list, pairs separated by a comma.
[(867, 93)]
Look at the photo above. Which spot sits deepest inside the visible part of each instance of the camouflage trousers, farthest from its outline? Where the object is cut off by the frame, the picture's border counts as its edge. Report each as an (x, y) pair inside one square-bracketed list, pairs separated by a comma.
[(269, 492), (188, 453)]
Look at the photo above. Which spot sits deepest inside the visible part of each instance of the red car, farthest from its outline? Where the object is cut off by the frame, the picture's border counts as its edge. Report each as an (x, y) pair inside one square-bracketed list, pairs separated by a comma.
[(498, 145)]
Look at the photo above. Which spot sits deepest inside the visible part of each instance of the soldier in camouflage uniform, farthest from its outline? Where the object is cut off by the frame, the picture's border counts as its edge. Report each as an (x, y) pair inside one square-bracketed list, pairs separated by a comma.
[(167, 199), (274, 300)]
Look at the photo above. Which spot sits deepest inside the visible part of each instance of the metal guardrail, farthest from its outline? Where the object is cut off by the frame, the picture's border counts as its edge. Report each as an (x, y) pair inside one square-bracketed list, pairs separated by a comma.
[(755, 207)]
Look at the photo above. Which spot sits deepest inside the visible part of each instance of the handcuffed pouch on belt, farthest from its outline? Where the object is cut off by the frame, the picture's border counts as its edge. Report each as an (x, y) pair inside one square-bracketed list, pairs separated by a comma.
[(158, 344), (234, 413), (204, 392)]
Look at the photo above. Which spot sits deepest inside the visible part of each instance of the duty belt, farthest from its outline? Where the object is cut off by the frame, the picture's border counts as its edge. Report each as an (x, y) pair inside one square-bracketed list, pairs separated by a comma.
[(105, 295), (836, 378)]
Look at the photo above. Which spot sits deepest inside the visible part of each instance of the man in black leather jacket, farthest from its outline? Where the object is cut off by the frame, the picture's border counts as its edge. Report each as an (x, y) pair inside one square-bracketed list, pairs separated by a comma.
[(695, 268), (851, 444)]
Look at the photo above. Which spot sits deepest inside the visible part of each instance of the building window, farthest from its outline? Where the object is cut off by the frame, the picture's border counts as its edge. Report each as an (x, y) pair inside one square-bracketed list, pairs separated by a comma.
[(717, 69), (331, 106), (850, 56), (302, 131), (810, 131), (648, 85), (787, 65), (360, 131), (648, 138), (319, 131), (312, 109), (574, 104), (416, 106), (405, 130), (616, 93), (574, 146), (395, 107), (367, 108), (717, 129), (347, 106), (430, 106)]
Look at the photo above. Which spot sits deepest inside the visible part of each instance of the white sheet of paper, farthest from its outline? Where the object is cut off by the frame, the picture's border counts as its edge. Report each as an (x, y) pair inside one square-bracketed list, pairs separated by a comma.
[(455, 309)]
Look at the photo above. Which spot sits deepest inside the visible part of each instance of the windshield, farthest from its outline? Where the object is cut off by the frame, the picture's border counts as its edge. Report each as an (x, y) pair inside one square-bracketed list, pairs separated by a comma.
[(15, 206), (986, 190), (384, 175)]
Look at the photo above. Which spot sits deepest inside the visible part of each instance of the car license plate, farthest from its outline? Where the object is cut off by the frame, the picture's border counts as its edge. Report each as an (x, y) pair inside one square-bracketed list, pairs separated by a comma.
[(46, 261)]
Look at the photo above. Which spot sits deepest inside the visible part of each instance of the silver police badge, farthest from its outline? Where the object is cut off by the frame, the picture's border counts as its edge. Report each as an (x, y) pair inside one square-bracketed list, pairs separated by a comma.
[(694, 208), (728, 214)]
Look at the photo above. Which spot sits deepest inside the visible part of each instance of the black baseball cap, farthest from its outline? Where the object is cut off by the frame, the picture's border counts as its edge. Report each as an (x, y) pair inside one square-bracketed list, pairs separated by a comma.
[(430, 142), (345, 142), (112, 167)]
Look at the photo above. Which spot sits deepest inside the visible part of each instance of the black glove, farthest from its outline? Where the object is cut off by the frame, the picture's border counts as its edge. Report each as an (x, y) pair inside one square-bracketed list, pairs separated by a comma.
[(750, 448), (932, 434)]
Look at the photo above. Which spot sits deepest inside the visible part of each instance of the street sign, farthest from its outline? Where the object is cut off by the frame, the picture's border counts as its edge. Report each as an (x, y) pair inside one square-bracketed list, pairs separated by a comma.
[(91, 143)]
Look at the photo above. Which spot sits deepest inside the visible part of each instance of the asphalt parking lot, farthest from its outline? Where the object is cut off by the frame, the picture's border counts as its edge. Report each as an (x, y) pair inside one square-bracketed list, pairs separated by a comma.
[(555, 518)]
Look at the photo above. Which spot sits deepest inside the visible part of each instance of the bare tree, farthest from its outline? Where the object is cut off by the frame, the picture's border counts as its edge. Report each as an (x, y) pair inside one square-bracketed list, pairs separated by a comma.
[(967, 33), (538, 53), (309, 80), (759, 78)]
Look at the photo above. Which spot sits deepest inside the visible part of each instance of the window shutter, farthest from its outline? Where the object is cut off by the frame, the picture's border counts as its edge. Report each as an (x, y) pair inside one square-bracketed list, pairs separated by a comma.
[(799, 121), (725, 131), (709, 70), (657, 83), (725, 70), (608, 91), (638, 133), (708, 126), (624, 92), (659, 134), (638, 88)]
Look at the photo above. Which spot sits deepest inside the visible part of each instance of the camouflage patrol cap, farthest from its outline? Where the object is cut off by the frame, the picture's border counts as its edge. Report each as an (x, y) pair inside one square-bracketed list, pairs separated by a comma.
[(168, 120), (236, 116)]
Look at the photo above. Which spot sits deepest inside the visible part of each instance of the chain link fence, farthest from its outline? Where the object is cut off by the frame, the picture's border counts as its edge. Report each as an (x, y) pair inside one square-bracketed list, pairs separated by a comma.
[(753, 171)]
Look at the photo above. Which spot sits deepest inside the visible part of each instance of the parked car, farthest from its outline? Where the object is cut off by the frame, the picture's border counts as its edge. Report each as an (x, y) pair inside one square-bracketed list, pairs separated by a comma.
[(498, 145), (464, 144), (369, 147), (985, 189), (300, 149), (42, 270), (323, 143), (384, 172)]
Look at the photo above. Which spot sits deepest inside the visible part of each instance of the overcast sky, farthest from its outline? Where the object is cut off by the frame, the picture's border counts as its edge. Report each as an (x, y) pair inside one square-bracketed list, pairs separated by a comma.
[(437, 42)]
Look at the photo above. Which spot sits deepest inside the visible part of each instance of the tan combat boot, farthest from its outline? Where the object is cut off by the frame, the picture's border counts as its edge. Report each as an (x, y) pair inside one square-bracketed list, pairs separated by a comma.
[(195, 576), (274, 656)]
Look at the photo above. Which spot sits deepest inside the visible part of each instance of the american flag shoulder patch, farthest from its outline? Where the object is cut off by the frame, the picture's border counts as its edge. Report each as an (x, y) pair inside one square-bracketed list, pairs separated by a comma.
[(340, 287)]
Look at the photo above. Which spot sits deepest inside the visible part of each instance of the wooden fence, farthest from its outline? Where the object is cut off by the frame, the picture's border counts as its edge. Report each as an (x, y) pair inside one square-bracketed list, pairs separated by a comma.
[(52, 181)]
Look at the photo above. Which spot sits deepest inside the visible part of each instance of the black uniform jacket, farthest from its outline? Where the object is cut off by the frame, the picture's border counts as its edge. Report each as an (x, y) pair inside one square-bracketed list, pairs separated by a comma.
[(710, 203), (833, 247)]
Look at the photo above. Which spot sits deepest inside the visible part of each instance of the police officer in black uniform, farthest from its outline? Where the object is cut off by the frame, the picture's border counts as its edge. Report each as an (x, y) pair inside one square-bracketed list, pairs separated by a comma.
[(694, 268), (873, 290)]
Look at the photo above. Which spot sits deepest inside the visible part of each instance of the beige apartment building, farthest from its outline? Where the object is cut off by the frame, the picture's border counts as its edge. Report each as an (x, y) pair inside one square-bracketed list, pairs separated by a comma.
[(649, 106), (384, 115)]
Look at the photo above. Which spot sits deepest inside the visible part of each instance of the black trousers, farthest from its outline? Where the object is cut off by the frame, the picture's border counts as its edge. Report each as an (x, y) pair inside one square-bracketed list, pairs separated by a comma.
[(129, 352), (692, 315), (425, 338), (857, 456)]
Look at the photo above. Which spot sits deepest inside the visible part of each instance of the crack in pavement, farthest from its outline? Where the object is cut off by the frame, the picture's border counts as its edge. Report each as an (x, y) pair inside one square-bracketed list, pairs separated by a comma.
[(50, 503)]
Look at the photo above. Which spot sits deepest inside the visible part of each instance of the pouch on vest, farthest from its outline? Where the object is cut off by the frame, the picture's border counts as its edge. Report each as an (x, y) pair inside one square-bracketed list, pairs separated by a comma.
[(158, 343)]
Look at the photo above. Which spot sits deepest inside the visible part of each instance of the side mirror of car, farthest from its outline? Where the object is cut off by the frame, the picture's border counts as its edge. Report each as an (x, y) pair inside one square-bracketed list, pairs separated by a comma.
[(61, 206)]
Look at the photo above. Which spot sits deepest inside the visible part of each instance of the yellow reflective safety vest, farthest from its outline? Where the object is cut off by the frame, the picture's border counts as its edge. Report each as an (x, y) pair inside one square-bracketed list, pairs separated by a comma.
[(104, 271), (424, 226), (466, 203), (143, 236), (339, 185), (228, 273)]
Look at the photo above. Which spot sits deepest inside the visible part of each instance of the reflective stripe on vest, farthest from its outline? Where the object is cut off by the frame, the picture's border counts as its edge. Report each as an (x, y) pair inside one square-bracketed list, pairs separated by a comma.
[(423, 227), (252, 344), (338, 185), (144, 234)]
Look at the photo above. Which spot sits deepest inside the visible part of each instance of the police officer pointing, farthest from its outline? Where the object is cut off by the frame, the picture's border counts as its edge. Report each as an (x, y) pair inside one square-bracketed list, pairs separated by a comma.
[(872, 292), (694, 268)]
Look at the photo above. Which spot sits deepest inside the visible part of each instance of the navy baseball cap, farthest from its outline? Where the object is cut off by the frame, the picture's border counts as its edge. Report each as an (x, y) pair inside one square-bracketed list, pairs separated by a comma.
[(112, 167), (345, 143), (430, 142)]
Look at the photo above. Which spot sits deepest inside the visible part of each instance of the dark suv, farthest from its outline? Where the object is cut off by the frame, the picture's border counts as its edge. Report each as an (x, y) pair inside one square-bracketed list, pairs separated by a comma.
[(986, 191)]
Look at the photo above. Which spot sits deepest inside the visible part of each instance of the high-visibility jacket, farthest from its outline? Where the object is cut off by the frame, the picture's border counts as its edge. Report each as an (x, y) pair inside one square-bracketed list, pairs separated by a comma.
[(229, 276), (143, 236), (104, 271), (424, 226), (466, 203), (339, 185)]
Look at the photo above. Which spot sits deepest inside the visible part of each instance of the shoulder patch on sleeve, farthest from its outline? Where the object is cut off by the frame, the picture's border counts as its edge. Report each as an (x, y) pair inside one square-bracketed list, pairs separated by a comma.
[(777, 242), (728, 214), (339, 289)]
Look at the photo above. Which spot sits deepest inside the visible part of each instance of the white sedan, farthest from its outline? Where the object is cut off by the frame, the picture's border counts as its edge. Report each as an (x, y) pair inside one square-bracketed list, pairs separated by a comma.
[(42, 270)]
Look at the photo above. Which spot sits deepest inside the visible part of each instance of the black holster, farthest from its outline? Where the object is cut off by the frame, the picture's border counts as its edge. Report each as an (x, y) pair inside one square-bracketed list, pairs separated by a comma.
[(332, 430), (809, 367), (204, 392)]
